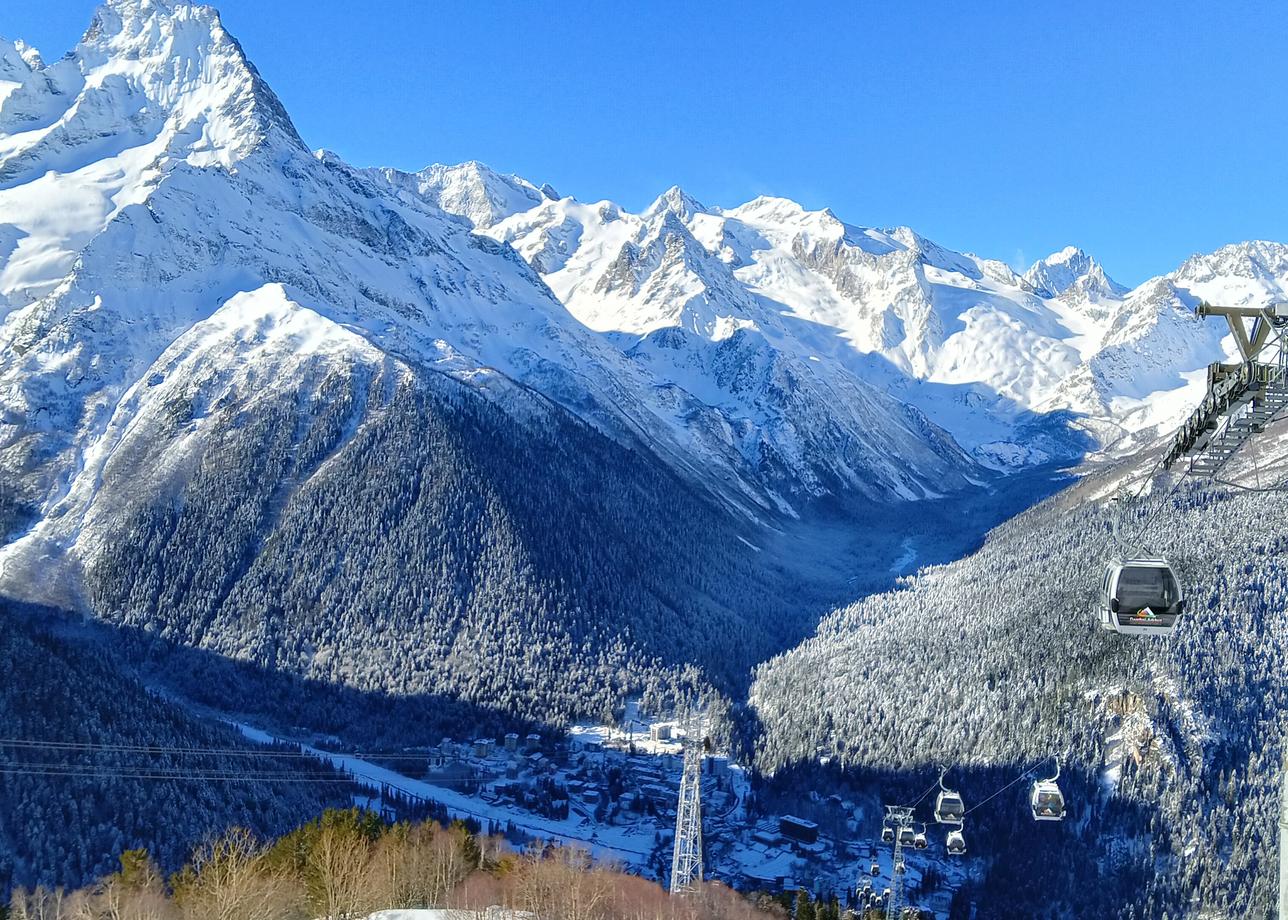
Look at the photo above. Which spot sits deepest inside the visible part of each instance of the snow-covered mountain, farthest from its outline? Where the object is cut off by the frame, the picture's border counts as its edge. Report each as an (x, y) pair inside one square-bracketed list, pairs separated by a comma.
[(170, 249), (1016, 367), (449, 433), (1071, 273), (159, 210), (471, 190)]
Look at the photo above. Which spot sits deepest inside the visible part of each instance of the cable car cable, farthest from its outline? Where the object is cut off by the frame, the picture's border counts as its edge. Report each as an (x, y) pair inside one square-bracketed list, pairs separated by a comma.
[(178, 772), (1129, 548), (1027, 773), (1280, 486), (74, 772), (90, 747)]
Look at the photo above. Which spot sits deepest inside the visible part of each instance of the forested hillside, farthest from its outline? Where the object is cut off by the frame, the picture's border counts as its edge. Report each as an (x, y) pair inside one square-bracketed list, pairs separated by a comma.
[(412, 537), (379, 458), (68, 812), (995, 662)]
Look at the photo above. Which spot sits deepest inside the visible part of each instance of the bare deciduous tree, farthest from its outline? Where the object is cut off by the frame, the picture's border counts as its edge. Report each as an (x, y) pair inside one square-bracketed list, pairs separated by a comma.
[(228, 880), (338, 864)]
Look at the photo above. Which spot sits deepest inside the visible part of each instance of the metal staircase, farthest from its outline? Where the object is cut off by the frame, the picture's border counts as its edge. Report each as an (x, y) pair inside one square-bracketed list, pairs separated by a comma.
[(1243, 397), (1250, 416)]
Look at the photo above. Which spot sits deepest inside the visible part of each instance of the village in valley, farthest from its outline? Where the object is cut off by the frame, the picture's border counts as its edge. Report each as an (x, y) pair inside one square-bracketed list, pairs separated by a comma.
[(613, 790)]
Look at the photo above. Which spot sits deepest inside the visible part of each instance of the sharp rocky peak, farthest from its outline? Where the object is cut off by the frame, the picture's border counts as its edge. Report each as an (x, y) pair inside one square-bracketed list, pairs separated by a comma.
[(1250, 259), (1071, 268), (675, 201), (183, 61), (473, 191), (17, 58)]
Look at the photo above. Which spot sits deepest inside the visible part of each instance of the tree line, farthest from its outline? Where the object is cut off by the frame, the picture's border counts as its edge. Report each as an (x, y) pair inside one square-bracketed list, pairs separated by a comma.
[(348, 864)]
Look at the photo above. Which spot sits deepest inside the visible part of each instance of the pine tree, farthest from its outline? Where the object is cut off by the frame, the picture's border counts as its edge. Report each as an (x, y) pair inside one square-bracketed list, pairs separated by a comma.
[(804, 906)]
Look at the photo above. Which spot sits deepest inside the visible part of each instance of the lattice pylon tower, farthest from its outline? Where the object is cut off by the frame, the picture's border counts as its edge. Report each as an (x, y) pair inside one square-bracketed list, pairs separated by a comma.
[(898, 817), (686, 863)]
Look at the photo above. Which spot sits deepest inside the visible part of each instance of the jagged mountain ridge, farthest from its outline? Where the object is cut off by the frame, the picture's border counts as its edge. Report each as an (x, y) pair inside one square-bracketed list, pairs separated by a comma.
[(766, 354), (985, 353), (1071, 271), (207, 329), (210, 335)]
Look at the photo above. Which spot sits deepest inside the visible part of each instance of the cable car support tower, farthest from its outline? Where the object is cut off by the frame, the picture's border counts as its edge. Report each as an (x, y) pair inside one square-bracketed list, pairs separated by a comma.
[(898, 817), (686, 862), (1242, 399)]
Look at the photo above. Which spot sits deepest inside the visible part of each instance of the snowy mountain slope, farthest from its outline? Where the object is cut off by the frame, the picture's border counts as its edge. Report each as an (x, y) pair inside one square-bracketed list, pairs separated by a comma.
[(255, 401), (154, 196), (162, 425), (986, 354), (471, 190), (448, 433), (150, 178), (1072, 274), (710, 388)]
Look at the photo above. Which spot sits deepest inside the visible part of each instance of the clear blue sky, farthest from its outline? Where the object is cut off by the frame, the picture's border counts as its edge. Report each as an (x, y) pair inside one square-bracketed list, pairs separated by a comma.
[(1141, 131)]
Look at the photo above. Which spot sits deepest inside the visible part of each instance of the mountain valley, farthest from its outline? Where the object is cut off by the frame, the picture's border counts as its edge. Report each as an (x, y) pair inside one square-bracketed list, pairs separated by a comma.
[(392, 457)]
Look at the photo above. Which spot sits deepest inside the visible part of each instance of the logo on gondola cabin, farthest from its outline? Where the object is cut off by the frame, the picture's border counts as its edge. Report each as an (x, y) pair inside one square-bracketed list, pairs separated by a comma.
[(1146, 613)]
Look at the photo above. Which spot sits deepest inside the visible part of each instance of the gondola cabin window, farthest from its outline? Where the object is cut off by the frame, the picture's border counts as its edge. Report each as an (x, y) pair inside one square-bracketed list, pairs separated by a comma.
[(1151, 587)]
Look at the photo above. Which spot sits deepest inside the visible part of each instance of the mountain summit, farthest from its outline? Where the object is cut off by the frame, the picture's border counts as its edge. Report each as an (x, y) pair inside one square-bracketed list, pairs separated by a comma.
[(450, 440), (471, 190), (161, 79), (1071, 269), (175, 264)]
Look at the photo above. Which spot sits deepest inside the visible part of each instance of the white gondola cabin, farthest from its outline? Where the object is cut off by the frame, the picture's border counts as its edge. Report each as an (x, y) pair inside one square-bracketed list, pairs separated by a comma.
[(956, 843), (919, 842), (949, 808), (907, 837), (1140, 597), (1047, 801)]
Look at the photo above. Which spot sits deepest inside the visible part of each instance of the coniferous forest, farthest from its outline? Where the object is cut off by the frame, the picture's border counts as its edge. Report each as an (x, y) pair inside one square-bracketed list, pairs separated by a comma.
[(1170, 749)]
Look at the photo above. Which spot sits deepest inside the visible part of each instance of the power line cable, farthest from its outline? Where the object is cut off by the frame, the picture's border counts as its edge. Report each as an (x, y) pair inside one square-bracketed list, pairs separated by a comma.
[(78, 746), (179, 772), (87, 772)]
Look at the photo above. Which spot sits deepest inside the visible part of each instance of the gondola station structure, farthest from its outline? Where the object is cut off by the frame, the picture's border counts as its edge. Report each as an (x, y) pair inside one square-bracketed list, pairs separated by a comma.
[(1139, 592)]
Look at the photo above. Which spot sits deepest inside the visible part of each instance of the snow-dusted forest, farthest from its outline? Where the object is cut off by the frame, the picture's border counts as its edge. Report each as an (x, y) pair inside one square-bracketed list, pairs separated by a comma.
[(996, 662)]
